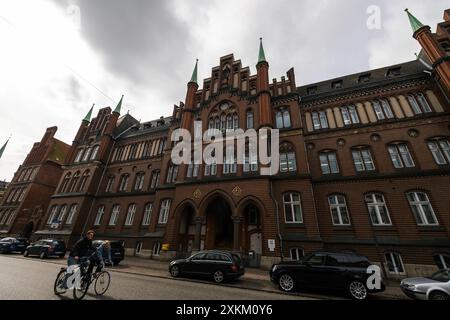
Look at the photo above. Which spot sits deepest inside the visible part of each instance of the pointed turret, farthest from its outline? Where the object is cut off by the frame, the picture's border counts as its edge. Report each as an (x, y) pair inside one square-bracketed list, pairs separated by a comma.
[(415, 23), (3, 148), (89, 114), (119, 106), (194, 73), (261, 55)]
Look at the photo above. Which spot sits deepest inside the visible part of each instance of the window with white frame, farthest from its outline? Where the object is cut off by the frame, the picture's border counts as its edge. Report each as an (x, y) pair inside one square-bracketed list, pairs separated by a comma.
[(394, 263), (33, 173), (114, 215), (362, 158), (164, 211), (296, 254), (110, 183), (87, 154), (147, 214), (288, 162), (22, 194), (99, 216), (155, 179), (292, 208), (418, 103), (250, 119), (229, 164), (139, 246), (442, 261), (192, 171), (79, 155), (339, 212), (130, 215), (11, 217), (440, 149), (211, 169), (422, 209), (400, 155), (52, 216), (172, 174), (378, 212), (250, 160), (382, 109), (72, 213), (156, 248), (4, 217), (328, 162), (62, 213), (94, 152), (349, 115)]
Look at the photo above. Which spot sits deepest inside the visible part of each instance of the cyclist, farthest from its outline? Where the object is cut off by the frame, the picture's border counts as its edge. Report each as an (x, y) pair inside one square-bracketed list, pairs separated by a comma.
[(83, 248), (104, 255)]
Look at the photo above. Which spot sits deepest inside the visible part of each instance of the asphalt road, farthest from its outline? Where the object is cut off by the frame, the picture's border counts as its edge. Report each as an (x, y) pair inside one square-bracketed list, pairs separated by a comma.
[(29, 279)]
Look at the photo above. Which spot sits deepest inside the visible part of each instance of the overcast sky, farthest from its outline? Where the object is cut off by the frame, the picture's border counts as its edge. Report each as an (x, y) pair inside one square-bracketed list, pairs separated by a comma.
[(58, 57)]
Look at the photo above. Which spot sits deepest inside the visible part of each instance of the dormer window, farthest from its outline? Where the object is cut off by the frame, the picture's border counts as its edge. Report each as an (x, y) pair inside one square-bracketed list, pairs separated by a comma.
[(337, 84), (311, 90), (393, 72), (364, 78)]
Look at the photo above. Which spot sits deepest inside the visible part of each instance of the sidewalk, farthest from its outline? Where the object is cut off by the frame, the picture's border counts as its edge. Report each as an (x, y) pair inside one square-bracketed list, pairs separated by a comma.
[(254, 279)]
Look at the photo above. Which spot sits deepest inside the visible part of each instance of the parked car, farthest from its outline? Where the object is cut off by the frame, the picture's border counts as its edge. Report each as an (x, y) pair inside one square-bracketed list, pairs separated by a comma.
[(346, 272), (435, 287), (117, 250), (8, 245), (46, 248), (218, 265)]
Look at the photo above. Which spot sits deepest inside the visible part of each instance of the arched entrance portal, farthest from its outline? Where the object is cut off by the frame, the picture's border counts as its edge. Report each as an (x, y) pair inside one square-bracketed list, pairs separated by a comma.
[(252, 236), (219, 225), (186, 231)]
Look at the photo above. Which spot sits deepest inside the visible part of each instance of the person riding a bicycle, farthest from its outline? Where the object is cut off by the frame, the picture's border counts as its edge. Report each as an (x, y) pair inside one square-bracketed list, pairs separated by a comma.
[(83, 248)]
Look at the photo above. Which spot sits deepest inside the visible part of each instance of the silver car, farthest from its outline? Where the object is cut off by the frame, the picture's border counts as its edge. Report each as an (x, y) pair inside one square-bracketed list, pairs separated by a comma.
[(436, 287)]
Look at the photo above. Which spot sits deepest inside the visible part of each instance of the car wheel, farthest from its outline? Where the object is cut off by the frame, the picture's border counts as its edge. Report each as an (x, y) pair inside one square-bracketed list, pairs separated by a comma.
[(357, 290), (218, 276), (25, 253), (439, 296), (286, 282), (175, 271), (43, 255)]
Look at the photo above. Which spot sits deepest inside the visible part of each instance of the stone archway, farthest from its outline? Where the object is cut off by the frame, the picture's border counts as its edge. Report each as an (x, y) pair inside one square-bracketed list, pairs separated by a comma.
[(219, 225)]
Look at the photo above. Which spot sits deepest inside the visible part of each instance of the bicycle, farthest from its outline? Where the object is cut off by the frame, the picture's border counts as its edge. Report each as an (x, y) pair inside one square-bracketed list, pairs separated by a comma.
[(101, 281)]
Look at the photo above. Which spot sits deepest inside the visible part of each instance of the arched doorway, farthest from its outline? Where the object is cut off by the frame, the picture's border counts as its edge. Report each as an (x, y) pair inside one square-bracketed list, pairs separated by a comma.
[(219, 225), (27, 230), (252, 235)]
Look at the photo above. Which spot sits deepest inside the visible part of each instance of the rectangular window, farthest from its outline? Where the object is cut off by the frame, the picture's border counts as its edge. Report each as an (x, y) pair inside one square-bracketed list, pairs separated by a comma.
[(130, 215), (349, 115), (328, 162), (100, 213), (139, 183), (422, 209), (362, 159), (62, 213), (139, 246), (123, 183), (440, 149), (394, 263), (288, 162), (156, 248), (114, 215), (52, 215), (339, 212), (109, 184), (11, 217), (292, 208), (155, 180), (400, 156), (164, 211), (147, 214), (296, 254), (72, 213), (378, 211)]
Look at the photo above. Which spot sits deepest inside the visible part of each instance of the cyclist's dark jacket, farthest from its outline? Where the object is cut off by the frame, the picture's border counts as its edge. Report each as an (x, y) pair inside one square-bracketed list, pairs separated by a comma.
[(82, 248)]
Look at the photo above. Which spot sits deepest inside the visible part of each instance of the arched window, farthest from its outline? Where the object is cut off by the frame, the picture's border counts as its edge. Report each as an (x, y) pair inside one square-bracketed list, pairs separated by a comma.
[(235, 121), (288, 161), (217, 123), (229, 122), (250, 119), (147, 214), (74, 182), (79, 155), (65, 183), (87, 154), (94, 152), (110, 183), (155, 179), (283, 118), (72, 213), (223, 122), (84, 180), (130, 215)]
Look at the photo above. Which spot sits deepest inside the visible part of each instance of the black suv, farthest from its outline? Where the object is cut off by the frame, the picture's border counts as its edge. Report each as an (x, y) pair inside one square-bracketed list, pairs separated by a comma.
[(117, 250), (219, 265), (342, 271), (46, 248)]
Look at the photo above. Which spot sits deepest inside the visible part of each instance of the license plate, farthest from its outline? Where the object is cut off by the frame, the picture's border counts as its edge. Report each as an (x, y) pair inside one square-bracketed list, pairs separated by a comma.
[(58, 252), (117, 253)]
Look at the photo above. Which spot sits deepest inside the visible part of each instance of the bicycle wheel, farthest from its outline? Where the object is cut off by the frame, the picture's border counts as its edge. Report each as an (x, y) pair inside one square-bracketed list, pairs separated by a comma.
[(79, 293), (102, 282), (58, 287)]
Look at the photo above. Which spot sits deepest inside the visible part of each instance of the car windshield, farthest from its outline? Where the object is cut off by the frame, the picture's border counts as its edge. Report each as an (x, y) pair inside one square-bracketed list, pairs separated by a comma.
[(441, 276)]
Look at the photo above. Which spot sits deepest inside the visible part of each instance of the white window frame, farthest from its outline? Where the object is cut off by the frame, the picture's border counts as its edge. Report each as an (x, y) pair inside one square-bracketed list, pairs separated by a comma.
[(99, 216), (400, 158), (417, 207), (139, 183), (362, 158), (394, 264), (339, 207), (139, 246), (79, 155), (72, 212), (297, 251), (326, 159), (12, 215), (164, 211), (114, 215), (376, 206), (440, 150), (148, 210), (156, 248), (292, 204), (130, 214), (94, 152), (288, 162), (52, 215), (62, 213)]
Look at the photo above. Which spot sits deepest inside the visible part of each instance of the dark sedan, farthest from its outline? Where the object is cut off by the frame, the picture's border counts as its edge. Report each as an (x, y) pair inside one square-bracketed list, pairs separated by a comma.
[(8, 245), (347, 272), (218, 265), (117, 250), (46, 248)]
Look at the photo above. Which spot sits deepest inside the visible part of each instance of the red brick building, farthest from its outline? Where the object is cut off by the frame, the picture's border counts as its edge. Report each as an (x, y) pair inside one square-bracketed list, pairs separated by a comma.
[(26, 199), (364, 166)]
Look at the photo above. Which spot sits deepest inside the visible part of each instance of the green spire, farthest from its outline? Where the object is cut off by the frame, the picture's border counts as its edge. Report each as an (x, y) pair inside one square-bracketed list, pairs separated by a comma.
[(415, 24), (261, 56), (3, 148), (89, 114), (119, 106), (194, 73)]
